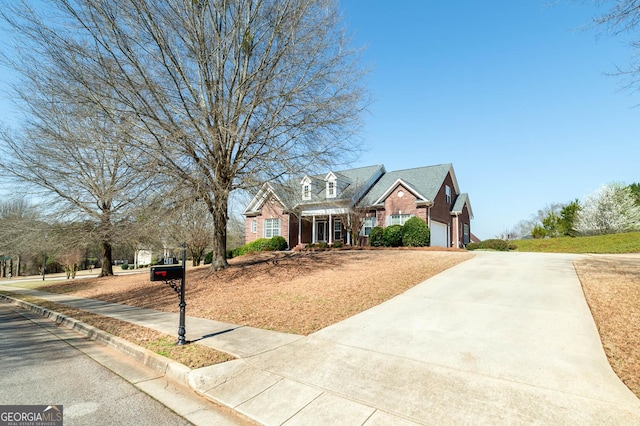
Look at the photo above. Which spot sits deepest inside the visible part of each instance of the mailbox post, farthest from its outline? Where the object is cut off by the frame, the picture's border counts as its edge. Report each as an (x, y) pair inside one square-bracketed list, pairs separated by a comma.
[(170, 274)]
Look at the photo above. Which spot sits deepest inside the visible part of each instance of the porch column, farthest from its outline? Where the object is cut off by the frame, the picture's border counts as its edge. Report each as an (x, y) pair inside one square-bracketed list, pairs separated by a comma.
[(348, 229), (313, 230), (457, 236), (330, 230), (300, 229)]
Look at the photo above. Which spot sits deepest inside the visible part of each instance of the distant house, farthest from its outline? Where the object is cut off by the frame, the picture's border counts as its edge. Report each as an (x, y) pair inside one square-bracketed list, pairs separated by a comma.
[(317, 208)]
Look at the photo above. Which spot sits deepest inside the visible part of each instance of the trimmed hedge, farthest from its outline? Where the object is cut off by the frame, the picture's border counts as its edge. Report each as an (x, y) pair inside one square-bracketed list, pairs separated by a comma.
[(277, 243), (376, 237), (392, 236), (415, 233), (492, 244)]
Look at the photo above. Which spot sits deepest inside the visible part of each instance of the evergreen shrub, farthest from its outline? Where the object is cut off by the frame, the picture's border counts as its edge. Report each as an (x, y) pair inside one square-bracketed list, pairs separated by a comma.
[(392, 236), (376, 238), (278, 243), (415, 233), (492, 244)]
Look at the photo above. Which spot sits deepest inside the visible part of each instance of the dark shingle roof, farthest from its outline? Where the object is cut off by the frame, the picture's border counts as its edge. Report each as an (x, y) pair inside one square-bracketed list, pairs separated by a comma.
[(349, 180), (460, 202), (426, 181)]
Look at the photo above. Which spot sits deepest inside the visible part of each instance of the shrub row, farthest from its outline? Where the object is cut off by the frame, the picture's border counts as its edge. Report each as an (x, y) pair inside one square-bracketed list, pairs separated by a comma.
[(126, 266), (324, 245), (414, 233), (276, 243), (492, 244)]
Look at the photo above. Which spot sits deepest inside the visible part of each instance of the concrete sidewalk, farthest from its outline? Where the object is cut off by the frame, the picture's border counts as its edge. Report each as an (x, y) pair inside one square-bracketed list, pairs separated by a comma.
[(503, 338), (239, 341)]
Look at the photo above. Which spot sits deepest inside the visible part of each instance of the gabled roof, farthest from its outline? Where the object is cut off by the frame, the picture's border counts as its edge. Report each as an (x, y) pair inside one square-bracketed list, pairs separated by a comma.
[(459, 205), (422, 181), (351, 181), (260, 198), (371, 185), (290, 194), (406, 185)]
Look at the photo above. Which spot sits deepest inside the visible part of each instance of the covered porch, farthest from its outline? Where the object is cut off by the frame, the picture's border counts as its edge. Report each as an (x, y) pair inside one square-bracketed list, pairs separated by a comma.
[(323, 226)]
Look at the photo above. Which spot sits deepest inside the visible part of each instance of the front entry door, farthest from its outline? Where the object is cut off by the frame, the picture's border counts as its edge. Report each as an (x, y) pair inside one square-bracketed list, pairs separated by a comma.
[(321, 231)]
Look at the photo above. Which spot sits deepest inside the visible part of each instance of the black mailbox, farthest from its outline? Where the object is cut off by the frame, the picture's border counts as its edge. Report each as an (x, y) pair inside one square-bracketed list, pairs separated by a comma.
[(166, 273)]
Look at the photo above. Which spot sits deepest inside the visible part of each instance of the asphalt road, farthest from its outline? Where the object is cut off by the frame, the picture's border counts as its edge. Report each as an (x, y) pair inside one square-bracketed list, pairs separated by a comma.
[(39, 368)]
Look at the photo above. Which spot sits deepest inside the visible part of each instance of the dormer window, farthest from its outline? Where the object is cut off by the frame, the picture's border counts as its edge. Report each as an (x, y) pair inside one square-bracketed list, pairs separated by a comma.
[(306, 188), (447, 193), (331, 189)]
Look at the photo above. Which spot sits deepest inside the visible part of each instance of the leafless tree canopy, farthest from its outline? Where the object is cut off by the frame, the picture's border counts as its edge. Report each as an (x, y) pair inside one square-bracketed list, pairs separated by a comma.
[(226, 93), (21, 231), (621, 18), (75, 152), (189, 221)]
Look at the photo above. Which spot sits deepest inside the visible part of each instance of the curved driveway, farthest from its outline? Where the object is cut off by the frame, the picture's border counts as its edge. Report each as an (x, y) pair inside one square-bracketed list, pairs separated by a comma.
[(503, 338)]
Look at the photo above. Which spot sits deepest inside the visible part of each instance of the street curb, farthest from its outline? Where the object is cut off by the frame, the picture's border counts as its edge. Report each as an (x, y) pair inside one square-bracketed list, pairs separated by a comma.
[(162, 365)]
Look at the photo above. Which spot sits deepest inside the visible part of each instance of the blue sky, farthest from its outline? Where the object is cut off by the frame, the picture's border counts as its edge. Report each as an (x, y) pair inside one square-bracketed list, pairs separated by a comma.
[(513, 93)]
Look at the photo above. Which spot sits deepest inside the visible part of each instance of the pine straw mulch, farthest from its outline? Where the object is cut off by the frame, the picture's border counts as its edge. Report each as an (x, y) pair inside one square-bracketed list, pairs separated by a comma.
[(292, 292), (304, 292), (193, 356), (611, 285)]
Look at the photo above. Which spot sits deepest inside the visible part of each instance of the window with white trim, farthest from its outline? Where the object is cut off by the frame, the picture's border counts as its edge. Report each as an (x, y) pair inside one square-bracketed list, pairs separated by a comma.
[(399, 219), (367, 226), (331, 189), (337, 230), (271, 227), (447, 193), (254, 226), (306, 191)]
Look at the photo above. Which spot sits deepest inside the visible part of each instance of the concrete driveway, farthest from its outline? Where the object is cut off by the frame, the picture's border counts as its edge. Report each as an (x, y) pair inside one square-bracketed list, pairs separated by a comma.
[(503, 338)]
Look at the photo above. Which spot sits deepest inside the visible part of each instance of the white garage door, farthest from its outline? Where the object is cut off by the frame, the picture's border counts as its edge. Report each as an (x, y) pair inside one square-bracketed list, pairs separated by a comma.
[(438, 234)]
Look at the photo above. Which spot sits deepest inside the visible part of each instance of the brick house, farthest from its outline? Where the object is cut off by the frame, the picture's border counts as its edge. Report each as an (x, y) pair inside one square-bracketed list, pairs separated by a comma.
[(316, 208)]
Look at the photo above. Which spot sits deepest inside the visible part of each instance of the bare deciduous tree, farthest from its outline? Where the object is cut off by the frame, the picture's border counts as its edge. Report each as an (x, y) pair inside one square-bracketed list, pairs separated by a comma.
[(229, 93), (21, 231), (353, 222), (75, 155), (190, 222), (623, 17)]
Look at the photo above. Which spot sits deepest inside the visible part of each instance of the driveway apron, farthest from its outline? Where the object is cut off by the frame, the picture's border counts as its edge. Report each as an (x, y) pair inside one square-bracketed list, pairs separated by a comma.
[(503, 338)]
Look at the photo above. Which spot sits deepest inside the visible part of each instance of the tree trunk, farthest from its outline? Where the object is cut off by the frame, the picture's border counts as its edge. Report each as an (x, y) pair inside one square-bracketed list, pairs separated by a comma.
[(107, 263), (219, 213)]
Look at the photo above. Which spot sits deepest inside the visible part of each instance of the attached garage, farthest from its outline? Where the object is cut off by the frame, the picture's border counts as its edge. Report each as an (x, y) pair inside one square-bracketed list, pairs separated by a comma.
[(439, 234)]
